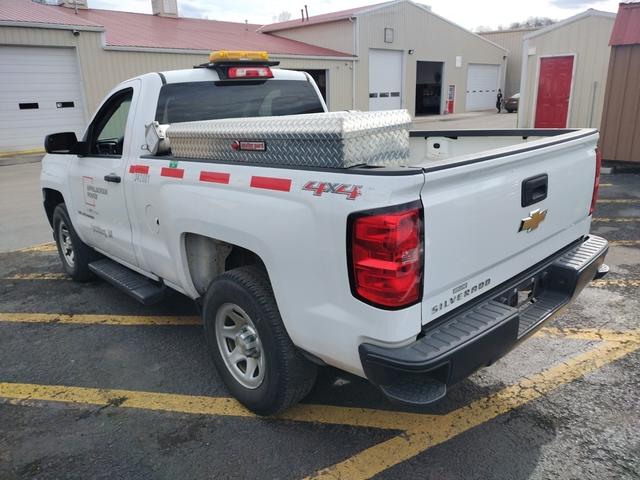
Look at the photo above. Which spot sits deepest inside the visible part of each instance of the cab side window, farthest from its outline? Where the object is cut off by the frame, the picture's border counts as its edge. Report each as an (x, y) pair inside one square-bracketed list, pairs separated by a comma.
[(106, 135)]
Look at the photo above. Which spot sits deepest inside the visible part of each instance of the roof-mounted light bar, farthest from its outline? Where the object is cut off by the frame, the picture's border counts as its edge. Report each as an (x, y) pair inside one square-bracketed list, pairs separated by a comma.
[(238, 56), (240, 64)]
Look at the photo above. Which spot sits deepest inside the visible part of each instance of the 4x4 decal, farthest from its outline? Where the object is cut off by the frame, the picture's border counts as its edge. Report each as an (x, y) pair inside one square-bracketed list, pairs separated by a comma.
[(318, 188)]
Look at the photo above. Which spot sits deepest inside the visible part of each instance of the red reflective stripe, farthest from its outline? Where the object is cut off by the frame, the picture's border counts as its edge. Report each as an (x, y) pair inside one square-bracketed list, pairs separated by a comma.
[(139, 169), (172, 172), (215, 177), (270, 183)]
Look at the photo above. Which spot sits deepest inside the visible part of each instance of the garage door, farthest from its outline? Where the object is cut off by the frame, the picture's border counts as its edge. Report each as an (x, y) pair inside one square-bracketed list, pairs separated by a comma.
[(40, 93), (385, 79), (483, 82)]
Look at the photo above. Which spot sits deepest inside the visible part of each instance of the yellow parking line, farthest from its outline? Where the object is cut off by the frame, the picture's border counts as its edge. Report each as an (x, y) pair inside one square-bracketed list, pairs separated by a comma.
[(98, 319), (619, 200), (38, 276), (125, 398), (435, 430), (14, 153), (606, 184), (616, 219), (421, 432), (357, 417), (589, 334), (615, 282), (43, 247), (202, 405), (624, 243)]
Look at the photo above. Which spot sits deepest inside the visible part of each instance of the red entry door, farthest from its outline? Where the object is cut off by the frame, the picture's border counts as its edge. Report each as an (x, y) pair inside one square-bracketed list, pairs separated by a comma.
[(554, 88)]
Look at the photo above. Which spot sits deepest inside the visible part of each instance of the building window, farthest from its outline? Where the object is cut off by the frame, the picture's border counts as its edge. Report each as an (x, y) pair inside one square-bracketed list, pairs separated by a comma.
[(28, 106), (388, 35)]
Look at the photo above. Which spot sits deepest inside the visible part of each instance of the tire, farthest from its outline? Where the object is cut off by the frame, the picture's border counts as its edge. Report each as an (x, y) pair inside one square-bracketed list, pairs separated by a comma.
[(75, 255), (276, 375)]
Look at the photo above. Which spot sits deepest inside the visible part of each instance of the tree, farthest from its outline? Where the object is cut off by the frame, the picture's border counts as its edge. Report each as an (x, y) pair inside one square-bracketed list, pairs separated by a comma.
[(531, 22), (283, 16)]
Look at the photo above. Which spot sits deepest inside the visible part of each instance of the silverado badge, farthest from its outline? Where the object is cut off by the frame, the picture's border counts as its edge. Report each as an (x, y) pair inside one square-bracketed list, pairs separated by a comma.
[(532, 222)]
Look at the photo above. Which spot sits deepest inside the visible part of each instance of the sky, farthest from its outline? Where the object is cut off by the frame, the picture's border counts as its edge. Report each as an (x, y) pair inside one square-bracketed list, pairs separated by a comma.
[(470, 14)]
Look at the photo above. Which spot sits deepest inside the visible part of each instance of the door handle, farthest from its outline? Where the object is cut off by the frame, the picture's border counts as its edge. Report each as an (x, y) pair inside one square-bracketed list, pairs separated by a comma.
[(113, 178)]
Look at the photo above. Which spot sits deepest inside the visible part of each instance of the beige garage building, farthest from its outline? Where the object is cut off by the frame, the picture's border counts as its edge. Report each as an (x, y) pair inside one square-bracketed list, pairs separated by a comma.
[(564, 72), (57, 63)]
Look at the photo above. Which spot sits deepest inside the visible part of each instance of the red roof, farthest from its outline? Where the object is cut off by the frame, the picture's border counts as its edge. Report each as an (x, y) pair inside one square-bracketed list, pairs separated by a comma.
[(124, 29), (31, 12), (324, 18), (626, 30)]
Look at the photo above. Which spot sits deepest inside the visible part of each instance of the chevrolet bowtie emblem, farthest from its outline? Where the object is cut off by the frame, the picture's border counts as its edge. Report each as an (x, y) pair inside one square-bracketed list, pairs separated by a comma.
[(532, 222)]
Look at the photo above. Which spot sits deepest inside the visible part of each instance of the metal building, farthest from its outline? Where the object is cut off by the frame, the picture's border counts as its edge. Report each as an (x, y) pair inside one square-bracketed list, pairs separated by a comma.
[(564, 72), (620, 127), (57, 63), (512, 41), (407, 57)]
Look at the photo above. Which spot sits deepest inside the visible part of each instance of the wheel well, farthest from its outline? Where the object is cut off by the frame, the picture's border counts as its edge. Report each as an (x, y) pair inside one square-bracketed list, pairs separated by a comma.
[(208, 258), (51, 198)]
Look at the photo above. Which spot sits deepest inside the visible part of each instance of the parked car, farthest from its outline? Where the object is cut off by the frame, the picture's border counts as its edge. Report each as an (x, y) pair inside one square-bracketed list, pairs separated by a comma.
[(511, 103), (412, 275)]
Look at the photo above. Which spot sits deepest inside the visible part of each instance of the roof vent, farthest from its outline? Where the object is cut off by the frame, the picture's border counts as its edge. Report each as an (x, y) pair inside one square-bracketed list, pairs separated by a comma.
[(77, 4), (165, 8)]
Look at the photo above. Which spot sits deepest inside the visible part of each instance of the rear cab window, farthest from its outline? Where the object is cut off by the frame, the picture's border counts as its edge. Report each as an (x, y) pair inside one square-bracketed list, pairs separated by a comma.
[(213, 100)]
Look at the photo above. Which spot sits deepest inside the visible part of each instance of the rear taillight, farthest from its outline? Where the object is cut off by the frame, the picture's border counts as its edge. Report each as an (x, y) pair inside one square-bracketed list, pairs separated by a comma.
[(386, 256), (249, 72), (596, 182)]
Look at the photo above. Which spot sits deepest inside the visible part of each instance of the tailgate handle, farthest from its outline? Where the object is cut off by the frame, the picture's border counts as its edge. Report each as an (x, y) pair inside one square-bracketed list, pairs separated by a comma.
[(534, 189)]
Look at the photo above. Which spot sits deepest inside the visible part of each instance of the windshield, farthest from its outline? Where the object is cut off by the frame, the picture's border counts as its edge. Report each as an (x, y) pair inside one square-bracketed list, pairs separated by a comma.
[(193, 101)]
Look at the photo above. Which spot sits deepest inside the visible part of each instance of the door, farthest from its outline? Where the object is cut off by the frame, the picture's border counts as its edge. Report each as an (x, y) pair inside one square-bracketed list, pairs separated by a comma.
[(483, 82), (100, 214), (428, 87), (41, 87), (385, 79), (554, 90)]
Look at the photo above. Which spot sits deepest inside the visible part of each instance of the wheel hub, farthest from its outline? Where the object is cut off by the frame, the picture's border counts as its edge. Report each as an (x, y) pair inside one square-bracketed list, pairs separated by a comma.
[(246, 340)]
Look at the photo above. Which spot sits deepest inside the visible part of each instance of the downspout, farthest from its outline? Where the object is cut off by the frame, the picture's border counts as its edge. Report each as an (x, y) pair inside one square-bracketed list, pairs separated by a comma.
[(523, 81), (353, 62)]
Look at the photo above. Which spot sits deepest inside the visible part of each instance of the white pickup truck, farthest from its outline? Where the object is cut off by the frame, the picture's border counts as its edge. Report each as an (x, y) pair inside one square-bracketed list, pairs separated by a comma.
[(413, 276)]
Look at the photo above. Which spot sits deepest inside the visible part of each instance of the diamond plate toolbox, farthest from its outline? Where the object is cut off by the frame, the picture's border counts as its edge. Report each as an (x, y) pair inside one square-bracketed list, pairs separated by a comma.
[(329, 140)]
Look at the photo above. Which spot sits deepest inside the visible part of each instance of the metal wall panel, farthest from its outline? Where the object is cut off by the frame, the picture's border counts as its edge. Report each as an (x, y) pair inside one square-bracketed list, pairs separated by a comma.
[(333, 35), (586, 38), (512, 41), (620, 130)]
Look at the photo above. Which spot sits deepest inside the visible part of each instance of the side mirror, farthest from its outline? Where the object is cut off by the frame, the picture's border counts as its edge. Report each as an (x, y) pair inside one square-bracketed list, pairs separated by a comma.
[(61, 143)]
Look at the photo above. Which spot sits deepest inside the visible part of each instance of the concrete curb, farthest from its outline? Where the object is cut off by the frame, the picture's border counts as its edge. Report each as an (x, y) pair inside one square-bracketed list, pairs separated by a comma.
[(20, 159)]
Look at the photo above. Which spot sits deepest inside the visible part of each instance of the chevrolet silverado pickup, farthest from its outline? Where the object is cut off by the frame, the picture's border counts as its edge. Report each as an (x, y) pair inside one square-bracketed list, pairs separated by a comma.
[(412, 273)]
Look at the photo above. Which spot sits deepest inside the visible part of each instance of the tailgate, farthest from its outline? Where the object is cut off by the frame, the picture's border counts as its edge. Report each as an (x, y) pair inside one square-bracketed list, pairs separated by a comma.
[(473, 215)]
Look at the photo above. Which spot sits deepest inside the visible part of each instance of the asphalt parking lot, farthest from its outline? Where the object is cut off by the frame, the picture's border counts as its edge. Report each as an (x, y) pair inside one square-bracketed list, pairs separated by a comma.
[(93, 385)]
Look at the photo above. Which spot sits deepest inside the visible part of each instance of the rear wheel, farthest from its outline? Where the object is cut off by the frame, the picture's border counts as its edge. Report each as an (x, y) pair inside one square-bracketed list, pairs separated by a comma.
[(249, 344), (74, 253)]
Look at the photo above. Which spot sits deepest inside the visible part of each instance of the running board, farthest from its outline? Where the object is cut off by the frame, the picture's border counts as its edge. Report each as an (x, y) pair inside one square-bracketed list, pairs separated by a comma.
[(137, 286)]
